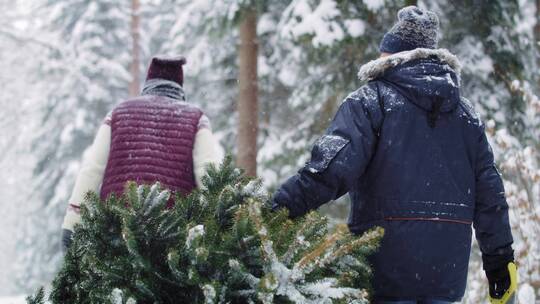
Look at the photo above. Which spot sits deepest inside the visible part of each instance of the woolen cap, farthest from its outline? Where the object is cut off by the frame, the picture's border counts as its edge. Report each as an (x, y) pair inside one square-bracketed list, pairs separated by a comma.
[(416, 28), (168, 68)]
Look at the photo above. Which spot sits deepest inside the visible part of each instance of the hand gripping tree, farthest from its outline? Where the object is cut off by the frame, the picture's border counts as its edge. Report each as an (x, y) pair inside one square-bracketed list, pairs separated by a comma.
[(221, 244)]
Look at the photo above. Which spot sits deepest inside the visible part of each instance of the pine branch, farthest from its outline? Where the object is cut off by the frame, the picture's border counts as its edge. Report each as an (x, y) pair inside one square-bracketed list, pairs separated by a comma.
[(217, 244), (38, 298)]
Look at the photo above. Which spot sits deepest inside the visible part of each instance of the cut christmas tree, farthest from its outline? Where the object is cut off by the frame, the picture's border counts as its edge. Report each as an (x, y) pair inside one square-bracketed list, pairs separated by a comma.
[(221, 244)]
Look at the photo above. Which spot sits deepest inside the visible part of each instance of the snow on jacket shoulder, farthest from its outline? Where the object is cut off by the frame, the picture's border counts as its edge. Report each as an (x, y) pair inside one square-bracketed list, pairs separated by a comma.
[(338, 158), (415, 160)]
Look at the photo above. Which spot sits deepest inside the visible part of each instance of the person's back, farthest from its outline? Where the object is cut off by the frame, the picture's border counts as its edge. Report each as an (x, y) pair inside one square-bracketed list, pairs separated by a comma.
[(155, 137), (152, 140), (415, 160), (420, 184)]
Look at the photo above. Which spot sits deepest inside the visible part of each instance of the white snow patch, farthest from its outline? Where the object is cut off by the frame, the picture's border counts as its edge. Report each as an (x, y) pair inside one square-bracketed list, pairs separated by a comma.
[(374, 5), (194, 233), (318, 22), (355, 27), (266, 24), (526, 294), (12, 300), (209, 294), (450, 80), (474, 58), (117, 297), (254, 189), (326, 288)]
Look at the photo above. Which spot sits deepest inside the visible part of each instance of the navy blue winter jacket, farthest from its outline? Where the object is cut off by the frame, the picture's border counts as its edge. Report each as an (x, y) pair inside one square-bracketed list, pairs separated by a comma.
[(415, 160)]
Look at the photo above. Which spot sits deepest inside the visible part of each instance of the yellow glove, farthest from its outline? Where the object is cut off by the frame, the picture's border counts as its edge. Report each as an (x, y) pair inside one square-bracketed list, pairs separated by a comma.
[(509, 296)]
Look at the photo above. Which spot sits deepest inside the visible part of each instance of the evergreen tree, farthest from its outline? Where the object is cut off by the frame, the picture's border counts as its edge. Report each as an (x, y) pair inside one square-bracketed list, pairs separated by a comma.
[(519, 162), (494, 51), (294, 74), (200, 33), (221, 244), (38, 298), (86, 74), (22, 46), (320, 46), (309, 54)]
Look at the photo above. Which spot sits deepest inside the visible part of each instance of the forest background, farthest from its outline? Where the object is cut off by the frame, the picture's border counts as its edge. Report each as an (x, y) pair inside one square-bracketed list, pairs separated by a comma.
[(269, 74)]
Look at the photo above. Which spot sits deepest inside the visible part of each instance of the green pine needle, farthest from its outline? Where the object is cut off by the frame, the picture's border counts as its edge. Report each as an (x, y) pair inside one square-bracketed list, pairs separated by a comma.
[(220, 244)]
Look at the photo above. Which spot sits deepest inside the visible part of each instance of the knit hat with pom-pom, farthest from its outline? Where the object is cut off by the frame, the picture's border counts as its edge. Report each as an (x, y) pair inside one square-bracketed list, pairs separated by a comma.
[(416, 28)]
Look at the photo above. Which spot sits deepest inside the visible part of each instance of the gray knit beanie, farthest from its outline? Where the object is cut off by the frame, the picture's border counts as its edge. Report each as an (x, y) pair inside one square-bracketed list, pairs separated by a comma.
[(416, 28)]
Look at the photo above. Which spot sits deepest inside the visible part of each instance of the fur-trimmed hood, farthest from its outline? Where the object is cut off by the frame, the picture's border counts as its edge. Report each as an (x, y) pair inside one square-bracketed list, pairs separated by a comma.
[(428, 78), (377, 67)]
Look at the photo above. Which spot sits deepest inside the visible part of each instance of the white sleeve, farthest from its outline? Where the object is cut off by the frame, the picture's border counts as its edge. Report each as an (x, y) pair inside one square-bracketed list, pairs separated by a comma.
[(90, 175), (206, 150)]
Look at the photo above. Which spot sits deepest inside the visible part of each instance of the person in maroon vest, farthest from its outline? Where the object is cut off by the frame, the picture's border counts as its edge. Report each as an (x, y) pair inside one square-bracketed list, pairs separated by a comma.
[(155, 137)]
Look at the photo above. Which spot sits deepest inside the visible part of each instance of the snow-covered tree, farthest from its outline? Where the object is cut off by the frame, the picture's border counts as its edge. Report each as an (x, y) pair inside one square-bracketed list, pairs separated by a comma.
[(319, 47), (86, 73), (309, 53), (21, 46), (495, 47), (519, 161), (308, 60)]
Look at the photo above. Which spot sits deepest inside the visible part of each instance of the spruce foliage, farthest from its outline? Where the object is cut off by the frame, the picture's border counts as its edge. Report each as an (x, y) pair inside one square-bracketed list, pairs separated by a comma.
[(38, 298), (221, 244)]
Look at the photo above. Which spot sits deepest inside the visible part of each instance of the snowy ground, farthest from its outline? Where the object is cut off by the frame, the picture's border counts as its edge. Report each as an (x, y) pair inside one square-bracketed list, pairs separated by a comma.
[(12, 300)]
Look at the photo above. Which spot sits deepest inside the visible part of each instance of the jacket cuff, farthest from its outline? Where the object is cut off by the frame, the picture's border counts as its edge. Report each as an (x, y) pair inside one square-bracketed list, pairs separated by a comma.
[(276, 206), (279, 202), (501, 258), (275, 203), (72, 218)]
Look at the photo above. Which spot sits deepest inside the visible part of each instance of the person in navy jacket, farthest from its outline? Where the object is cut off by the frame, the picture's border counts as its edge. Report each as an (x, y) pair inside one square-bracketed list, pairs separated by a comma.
[(413, 155)]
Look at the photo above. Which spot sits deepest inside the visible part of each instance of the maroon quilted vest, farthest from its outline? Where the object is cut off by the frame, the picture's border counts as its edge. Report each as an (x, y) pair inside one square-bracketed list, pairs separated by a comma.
[(152, 141)]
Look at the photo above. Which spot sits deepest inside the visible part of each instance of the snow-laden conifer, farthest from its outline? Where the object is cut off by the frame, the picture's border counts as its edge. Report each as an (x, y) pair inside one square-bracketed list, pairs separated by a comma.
[(220, 244)]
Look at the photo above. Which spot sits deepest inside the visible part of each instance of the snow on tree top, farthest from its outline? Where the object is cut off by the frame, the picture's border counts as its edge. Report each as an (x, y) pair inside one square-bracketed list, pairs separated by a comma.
[(317, 22)]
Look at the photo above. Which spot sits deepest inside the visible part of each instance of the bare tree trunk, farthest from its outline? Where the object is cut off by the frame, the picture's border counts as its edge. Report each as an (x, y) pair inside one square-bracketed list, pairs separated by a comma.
[(247, 106), (134, 85)]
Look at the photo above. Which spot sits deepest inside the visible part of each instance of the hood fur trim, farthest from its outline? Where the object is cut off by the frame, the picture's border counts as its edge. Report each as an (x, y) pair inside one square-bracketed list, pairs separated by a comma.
[(377, 67)]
